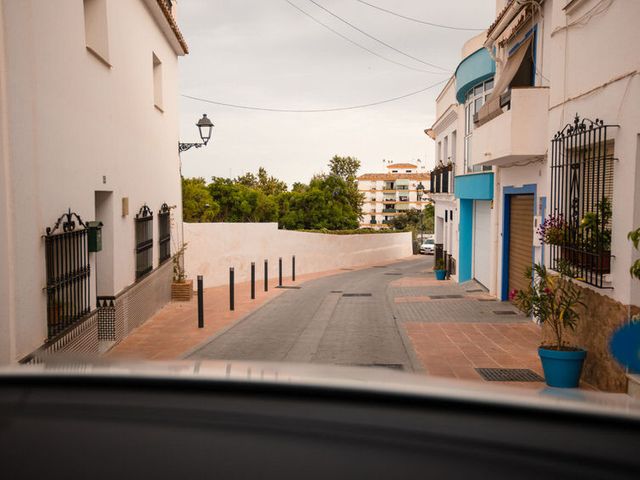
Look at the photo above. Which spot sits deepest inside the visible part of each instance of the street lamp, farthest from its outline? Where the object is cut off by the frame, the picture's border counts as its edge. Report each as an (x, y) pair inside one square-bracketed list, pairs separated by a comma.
[(420, 190), (205, 127)]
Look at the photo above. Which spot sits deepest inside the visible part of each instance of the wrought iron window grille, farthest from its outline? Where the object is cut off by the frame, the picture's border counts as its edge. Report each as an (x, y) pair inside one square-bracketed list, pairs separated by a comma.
[(144, 241), (441, 177), (68, 273), (164, 232), (581, 200)]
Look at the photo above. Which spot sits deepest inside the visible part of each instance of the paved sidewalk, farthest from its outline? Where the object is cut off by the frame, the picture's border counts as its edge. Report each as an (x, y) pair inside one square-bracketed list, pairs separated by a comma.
[(173, 331), (456, 328)]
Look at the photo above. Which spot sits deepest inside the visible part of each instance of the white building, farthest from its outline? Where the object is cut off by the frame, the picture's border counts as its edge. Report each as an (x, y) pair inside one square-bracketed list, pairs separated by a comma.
[(88, 126), (386, 195), (560, 129)]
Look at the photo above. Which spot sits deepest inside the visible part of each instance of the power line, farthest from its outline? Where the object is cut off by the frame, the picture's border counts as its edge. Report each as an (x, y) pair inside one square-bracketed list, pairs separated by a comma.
[(419, 21), (357, 44), (314, 110), (376, 39)]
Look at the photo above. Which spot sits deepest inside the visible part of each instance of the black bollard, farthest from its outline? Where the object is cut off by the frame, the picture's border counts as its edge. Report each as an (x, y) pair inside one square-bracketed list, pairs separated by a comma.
[(200, 303), (231, 287), (293, 269), (266, 275), (253, 280), (280, 271)]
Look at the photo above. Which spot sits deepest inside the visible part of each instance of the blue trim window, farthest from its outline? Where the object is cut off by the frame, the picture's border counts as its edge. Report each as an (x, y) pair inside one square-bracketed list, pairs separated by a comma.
[(474, 100)]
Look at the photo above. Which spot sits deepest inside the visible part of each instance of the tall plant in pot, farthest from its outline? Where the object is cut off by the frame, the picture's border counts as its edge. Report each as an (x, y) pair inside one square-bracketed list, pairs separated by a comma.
[(554, 300), (181, 288)]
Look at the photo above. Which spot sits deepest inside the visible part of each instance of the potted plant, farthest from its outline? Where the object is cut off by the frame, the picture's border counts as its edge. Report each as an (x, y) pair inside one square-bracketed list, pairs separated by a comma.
[(596, 237), (554, 299), (181, 288), (440, 269)]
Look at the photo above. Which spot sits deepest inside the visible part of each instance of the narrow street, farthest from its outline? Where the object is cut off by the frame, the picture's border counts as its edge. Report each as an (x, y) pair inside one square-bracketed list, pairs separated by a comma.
[(395, 316)]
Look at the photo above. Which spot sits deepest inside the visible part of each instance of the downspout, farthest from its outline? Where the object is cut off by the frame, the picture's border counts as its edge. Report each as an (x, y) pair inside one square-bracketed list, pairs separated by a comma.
[(494, 239)]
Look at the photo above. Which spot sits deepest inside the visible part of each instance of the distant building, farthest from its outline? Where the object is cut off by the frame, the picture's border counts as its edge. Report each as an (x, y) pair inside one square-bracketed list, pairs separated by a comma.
[(88, 132), (388, 194)]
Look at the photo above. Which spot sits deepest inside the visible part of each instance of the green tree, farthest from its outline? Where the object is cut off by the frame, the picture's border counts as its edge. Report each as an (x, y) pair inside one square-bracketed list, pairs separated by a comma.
[(197, 203), (344, 167)]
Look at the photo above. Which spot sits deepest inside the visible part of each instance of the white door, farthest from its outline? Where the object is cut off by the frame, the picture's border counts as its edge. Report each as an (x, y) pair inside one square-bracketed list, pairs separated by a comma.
[(481, 241)]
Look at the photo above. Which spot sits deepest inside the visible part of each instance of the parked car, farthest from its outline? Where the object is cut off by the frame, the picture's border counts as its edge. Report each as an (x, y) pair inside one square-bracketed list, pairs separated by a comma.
[(428, 247)]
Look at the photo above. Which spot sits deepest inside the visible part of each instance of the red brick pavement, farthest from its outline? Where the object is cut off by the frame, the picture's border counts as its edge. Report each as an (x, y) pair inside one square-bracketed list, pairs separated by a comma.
[(456, 349)]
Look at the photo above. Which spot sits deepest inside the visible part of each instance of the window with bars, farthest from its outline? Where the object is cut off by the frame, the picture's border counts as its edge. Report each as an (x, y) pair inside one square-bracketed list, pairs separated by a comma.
[(144, 241), (582, 172), (68, 273), (164, 232)]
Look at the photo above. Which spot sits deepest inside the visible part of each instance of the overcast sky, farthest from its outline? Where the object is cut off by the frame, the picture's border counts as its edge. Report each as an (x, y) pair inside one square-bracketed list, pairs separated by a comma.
[(265, 53)]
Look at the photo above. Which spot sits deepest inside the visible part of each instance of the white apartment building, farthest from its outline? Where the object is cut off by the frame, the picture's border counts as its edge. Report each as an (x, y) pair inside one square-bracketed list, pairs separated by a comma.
[(386, 195), (552, 119), (88, 133)]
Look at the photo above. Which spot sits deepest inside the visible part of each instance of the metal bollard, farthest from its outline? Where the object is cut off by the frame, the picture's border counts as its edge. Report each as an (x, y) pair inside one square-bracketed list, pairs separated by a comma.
[(231, 288), (280, 272), (200, 303), (253, 280), (266, 275), (293, 269)]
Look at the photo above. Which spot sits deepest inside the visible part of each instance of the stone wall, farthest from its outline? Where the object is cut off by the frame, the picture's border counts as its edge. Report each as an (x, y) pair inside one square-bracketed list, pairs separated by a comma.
[(599, 318)]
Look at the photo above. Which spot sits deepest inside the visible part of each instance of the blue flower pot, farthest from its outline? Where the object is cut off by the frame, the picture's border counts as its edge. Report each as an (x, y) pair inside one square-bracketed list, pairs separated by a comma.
[(562, 368), (440, 274)]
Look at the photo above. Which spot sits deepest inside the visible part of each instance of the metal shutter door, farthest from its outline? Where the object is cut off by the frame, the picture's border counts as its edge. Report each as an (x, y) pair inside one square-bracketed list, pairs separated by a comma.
[(520, 239)]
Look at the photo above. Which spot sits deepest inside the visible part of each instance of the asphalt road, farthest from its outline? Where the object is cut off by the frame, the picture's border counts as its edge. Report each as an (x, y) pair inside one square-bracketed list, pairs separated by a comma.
[(344, 319)]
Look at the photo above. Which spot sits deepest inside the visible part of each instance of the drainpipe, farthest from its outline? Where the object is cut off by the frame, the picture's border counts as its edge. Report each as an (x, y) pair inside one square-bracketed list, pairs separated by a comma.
[(495, 237)]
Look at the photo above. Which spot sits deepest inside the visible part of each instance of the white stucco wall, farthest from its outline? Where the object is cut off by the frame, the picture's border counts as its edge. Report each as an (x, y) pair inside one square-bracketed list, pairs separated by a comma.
[(601, 80), (214, 247), (76, 126)]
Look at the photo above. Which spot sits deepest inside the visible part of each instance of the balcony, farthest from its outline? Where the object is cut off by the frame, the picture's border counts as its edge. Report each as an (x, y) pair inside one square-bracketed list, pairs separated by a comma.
[(517, 134), (389, 210)]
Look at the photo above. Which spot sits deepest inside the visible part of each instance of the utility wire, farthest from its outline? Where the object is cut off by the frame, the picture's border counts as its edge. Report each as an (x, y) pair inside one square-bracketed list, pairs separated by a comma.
[(419, 21), (314, 110), (376, 39), (357, 44)]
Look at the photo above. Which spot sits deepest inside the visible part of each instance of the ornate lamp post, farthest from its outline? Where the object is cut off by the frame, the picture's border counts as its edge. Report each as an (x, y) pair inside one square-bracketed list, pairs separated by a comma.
[(420, 190), (205, 127)]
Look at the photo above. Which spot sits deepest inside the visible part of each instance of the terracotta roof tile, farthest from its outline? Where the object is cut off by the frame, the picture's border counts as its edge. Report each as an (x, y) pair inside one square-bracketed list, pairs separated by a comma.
[(395, 176), (172, 23), (402, 165), (499, 17)]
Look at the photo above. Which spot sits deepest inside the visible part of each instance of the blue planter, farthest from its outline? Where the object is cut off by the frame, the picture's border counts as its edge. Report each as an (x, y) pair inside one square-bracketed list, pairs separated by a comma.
[(440, 274), (562, 368)]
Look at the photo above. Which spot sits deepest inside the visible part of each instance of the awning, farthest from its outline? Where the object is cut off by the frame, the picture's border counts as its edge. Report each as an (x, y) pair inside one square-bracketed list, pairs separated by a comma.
[(402, 182), (491, 108)]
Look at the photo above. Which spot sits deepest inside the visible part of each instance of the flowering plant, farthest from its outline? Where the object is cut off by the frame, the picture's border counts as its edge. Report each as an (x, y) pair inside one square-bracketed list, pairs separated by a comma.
[(550, 298), (553, 230)]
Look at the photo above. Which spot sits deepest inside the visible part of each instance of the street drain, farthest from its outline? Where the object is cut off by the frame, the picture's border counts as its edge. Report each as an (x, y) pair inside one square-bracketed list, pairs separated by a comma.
[(441, 297), (356, 294), (475, 290), (486, 299), (509, 375), (379, 266), (289, 287), (392, 366), (391, 273), (504, 312), (336, 291)]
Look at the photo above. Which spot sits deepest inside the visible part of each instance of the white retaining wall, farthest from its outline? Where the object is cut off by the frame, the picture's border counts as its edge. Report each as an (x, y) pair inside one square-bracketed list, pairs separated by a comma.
[(214, 247)]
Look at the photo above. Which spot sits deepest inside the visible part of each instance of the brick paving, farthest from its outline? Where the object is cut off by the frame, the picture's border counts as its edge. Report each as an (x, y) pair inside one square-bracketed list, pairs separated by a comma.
[(456, 328)]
